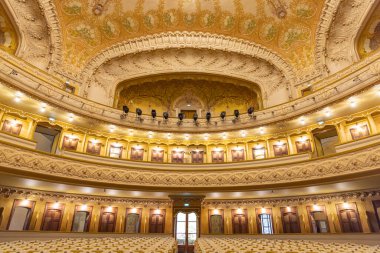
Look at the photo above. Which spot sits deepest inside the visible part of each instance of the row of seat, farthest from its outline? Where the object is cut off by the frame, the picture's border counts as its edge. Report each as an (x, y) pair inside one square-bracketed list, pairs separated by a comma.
[(125, 244), (228, 244)]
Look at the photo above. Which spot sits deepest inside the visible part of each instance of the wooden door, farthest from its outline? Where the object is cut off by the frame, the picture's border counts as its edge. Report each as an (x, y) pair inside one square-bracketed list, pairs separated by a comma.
[(107, 222), (157, 156), (156, 223), (137, 154), (290, 223), (240, 224), (132, 223), (217, 156), (197, 156), (237, 155), (349, 221), (81, 221), (52, 220)]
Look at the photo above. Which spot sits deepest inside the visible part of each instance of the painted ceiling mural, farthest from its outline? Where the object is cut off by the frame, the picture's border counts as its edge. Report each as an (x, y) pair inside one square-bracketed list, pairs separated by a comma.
[(8, 35), (285, 27), (369, 40)]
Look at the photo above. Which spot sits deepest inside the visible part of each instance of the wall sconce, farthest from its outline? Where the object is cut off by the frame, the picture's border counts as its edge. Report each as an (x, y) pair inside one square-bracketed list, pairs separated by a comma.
[(263, 210), (55, 205), (157, 211), (239, 211), (134, 210), (346, 205), (216, 211), (25, 202)]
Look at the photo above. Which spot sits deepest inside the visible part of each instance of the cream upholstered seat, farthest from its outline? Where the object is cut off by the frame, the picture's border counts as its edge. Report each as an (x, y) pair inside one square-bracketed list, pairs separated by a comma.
[(224, 244), (128, 244)]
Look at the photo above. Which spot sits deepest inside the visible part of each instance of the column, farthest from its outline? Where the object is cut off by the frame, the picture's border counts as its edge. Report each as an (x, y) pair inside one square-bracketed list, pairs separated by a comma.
[(277, 222), (120, 219), (32, 129), (363, 216), (333, 218), (372, 124), (290, 145), (7, 205), (68, 217), (341, 132)]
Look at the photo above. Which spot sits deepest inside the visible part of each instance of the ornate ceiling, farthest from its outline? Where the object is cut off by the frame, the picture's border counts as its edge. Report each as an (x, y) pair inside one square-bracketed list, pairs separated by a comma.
[(8, 35), (284, 27)]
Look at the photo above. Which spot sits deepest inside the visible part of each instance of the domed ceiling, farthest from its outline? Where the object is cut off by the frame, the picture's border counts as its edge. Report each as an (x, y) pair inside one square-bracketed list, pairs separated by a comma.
[(285, 27)]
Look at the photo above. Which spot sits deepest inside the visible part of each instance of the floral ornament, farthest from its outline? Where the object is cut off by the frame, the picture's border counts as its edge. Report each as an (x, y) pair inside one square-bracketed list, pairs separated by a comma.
[(85, 32), (304, 10), (207, 19), (189, 18), (248, 25), (170, 17), (110, 29), (268, 32), (228, 21), (292, 35), (130, 23), (151, 20), (73, 7)]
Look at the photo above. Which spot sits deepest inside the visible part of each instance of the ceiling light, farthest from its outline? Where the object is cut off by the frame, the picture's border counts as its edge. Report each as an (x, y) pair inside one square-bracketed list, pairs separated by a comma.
[(262, 130), (168, 135), (352, 102), (43, 107), (327, 112), (224, 135), (188, 105), (187, 137), (130, 132), (112, 128), (18, 96), (206, 136), (150, 134), (71, 117), (321, 122), (303, 121), (243, 133), (51, 119)]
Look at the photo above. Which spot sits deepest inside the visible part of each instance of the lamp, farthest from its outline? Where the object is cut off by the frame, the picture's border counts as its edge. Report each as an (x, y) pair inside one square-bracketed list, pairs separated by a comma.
[(195, 116), (125, 109), (251, 110), (223, 115), (154, 114), (236, 113), (165, 115), (208, 116), (181, 116), (138, 111)]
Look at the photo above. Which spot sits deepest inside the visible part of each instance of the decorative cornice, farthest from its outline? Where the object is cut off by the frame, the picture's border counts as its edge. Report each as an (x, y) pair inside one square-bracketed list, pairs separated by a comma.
[(299, 200), (16, 159), (178, 39), (8, 192)]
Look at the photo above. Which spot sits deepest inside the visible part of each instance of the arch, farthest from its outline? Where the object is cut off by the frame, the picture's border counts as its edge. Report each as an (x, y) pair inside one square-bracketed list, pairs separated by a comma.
[(102, 85)]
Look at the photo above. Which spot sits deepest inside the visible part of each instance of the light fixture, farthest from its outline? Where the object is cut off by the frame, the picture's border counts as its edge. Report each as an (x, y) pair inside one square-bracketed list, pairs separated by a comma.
[(239, 211), (206, 136), (188, 105), (154, 114), (195, 116), (165, 115), (224, 135), (52, 119), (216, 211), (168, 135), (109, 209), (321, 122), (280, 143), (71, 117), (18, 96), (150, 134), (187, 137), (352, 102), (186, 205), (138, 112), (25, 202), (55, 205), (346, 205), (243, 133), (208, 116), (125, 109), (181, 116), (315, 207), (112, 128), (43, 107), (263, 210), (130, 132), (251, 110), (236, 113), (327, 112), (288, 209), (223, 115), (83, 207), (303, 121), (157, 211), (261, 129)]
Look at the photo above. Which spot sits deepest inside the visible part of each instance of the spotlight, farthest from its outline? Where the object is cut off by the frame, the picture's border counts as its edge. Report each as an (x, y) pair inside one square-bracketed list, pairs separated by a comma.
[(208, 116), (181, 116), (138, 111), (125, 109), (236, 113), (223, 115), (251, 110), (154, 114), (195, 116), (165, 115)]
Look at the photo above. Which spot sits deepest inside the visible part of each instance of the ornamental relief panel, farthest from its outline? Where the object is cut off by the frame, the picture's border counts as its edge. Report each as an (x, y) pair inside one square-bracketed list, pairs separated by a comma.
[(369, 40), (364, 160), (8, 34), (108, 75)]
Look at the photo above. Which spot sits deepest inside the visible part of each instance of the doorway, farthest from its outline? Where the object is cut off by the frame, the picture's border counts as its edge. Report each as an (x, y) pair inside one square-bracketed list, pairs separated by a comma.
[(157, 222), (186, 231), (20, 218), (46, 137), (319, 223), (52, 220), (349, 221), (325, 140), (81, 221)]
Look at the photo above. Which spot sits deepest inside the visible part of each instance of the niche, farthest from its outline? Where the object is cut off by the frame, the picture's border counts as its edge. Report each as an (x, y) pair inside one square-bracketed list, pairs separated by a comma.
[(12, 127), (107, 221), (290, 220), (178, 156), (237, 155), (21, 215), (47, 137), (349, 218), (325, 140), (217, 156), (197, 156), (318, 219), (157, 155), (82, 218), (133, 220), (52, 217), (216, 221), (157, 220), (264, 221), (239, 221), (137, 153)]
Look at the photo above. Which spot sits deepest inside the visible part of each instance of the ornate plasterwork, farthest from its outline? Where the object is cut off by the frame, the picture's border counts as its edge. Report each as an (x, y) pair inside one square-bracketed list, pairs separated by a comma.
[(340, 46), (188, 60), (291, 36), (8, 34), (35, 45), (8, 192), (369, 39), (366, 160), (289, 201)]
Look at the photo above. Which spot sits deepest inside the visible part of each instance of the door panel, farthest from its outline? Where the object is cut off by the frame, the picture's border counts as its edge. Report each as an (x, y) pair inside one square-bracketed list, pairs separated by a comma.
[(132, 223), (107, 223), (19, 219), (80, 222), (52, 220), (350, 222)]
